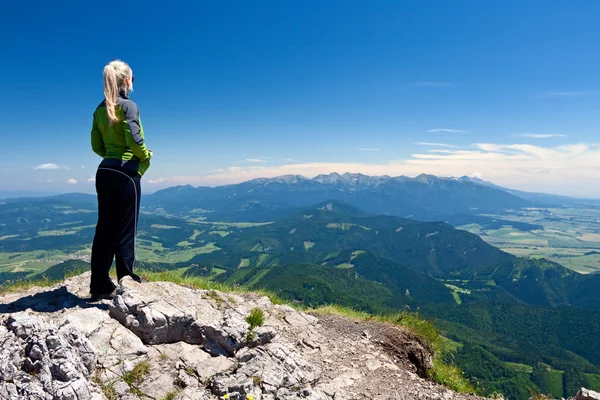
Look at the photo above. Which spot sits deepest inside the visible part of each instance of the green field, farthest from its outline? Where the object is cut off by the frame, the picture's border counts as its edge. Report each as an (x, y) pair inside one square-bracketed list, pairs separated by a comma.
[(570, 236), (157, 253), (33, 262)]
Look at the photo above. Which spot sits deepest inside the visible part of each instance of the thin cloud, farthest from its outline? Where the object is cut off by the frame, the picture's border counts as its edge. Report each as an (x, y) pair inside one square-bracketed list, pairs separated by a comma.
[(291, 160), (541, 135), (435, 144), (50, 166), (91, 180), (159, 180), (255, 160), (72, 181), (447, 130), (47, 166), (567, 94), (430, 84), (367, 149)]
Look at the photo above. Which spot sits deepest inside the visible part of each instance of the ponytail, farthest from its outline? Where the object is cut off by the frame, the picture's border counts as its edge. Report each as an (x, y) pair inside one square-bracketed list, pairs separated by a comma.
[(115, 74)]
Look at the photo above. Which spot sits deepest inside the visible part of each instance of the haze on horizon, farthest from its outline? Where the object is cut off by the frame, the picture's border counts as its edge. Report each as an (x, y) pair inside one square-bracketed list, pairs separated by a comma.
[(233, 91)]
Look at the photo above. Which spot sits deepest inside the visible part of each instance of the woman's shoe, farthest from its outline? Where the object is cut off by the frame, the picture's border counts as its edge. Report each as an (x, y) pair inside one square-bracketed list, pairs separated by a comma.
[(102, 296)]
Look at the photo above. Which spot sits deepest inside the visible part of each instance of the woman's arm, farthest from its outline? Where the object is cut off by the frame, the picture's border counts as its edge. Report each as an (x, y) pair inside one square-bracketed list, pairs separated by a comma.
[(134, 133), (97, 140)]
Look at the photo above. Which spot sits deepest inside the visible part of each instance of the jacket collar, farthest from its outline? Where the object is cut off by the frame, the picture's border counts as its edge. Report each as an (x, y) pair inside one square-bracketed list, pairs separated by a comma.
[(123, 95)]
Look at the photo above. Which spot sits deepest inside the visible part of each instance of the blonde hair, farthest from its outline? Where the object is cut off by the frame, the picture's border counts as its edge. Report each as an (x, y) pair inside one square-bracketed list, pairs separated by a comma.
[(115, 74)]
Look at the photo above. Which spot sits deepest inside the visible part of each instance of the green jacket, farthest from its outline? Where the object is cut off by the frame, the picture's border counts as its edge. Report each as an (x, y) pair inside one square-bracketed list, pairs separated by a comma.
[(121, 144)]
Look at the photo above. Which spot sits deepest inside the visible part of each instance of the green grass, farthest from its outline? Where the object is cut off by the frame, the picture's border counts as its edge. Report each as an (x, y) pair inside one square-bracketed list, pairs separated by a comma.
[(161, 226), (244, 262), (457, 298), (519, 367), (220, 233), (593, 381), (556, 382), (262, 258), (256, 318), (346, 226), (65, 231), (136, 376), (25, 284)]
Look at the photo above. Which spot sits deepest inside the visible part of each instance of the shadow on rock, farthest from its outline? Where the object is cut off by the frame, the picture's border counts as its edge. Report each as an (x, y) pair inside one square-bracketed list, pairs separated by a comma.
[(51, 301)]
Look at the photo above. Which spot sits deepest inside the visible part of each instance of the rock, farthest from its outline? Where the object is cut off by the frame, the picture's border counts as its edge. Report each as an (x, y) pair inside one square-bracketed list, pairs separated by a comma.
[(213, 366), (373, 365), (299, 319), (167, 313), (188, 394), (586, 394), (157, 384), (39, 361), (195, 342), (275, 366)]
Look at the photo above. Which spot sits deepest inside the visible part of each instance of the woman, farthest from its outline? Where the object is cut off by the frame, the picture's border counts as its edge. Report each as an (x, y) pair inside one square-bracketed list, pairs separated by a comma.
[(118, 137)]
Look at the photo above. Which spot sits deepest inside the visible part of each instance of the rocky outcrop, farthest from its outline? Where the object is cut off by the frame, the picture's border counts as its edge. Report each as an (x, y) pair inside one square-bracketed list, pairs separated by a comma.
[(586, 394), (40, 361), (164, 341)]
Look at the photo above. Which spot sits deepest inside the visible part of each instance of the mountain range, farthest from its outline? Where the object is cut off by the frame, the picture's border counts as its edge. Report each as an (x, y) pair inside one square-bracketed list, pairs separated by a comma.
[(424, 197)]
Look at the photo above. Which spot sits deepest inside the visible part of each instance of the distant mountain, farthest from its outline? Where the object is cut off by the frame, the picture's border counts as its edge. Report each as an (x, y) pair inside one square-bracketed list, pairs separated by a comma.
[(13, 194), (537, 198), (425, 197)]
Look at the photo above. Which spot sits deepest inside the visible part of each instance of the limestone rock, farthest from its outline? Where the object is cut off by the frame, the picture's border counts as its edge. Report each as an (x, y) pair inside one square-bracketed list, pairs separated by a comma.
[(39, 361), (586, 394), (197, 347), (167, 313)]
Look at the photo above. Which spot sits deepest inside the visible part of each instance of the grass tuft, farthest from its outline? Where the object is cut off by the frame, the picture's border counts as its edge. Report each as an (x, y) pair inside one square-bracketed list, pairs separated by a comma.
[(107, 388), (256, 318), (171, 395), (136, 376)]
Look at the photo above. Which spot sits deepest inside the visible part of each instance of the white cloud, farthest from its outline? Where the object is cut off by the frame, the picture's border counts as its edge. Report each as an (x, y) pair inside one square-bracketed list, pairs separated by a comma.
[(91, 180), (47, 166), (447, 130), (430, 84), (572, 169), (159, 180), (72, 181), (435, 144), (255, 160), (51, 166), (367, 149), (541, 135)]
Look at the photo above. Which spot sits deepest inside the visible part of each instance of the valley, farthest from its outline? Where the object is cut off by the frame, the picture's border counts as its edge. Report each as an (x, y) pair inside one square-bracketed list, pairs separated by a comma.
[(569, 236), (515, 319)]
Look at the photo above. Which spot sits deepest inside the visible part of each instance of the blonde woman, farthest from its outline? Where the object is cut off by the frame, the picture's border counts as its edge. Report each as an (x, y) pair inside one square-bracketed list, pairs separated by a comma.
[(117, 137)]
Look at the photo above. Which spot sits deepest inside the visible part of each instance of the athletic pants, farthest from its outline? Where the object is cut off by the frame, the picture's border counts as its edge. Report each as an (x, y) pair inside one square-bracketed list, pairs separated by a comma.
[(118, 210)]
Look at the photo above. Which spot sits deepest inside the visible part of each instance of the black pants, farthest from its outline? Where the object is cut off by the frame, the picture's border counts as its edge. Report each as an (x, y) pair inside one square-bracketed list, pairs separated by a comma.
[(118, 210)]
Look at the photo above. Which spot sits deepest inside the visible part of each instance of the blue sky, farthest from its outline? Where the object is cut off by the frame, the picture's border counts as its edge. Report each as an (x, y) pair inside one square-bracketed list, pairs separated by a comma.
[(233, 90)]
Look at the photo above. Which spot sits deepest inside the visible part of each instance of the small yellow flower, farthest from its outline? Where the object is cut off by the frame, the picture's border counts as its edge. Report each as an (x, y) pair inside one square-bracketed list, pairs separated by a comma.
[(225, 396), (250, 397)]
